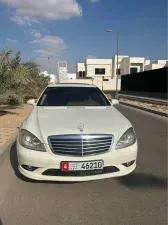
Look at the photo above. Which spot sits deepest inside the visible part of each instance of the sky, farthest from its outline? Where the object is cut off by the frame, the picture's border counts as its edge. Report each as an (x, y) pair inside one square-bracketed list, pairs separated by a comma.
[(74, 30)]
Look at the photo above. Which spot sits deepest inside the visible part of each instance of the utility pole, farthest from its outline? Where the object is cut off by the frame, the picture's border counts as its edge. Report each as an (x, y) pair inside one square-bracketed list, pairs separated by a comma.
[(117, 74), (49, 65), (117, 71)]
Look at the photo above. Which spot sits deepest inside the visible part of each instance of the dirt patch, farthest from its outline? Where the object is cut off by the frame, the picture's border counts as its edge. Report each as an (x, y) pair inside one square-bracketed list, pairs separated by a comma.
[(156, 107), (10, 119)]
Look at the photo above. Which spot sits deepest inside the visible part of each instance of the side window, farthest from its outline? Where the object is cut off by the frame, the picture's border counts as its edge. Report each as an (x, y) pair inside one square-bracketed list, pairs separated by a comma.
[(43, 100)]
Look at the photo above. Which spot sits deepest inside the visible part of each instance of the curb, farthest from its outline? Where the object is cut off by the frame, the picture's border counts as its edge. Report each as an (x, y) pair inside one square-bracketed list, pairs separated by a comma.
[(145, 109), (6, 147)]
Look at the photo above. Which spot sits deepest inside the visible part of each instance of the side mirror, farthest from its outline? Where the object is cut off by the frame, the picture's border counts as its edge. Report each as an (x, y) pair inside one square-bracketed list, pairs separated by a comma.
[(31, 101), (115, 102)]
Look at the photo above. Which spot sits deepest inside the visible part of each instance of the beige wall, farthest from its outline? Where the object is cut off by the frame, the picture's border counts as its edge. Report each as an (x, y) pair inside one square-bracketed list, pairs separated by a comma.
[(91, 70), (92, 64), (153, 66), (132, 62), (80, 67), (71, 75), (125, 66), (107, 85), (147, 61), (137, 60), (160, 62), (99, 61), (114, 61)]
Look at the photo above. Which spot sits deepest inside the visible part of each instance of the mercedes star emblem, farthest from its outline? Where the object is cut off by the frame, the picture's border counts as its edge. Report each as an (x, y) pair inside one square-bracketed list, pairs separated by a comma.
[(81, 127)]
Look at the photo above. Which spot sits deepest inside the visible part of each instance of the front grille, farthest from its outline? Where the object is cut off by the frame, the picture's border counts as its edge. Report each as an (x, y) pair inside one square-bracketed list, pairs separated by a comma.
[(58, 172), (80, 145)]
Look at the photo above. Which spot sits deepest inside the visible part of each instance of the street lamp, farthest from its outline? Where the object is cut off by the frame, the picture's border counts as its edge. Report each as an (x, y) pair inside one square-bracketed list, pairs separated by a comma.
[(117, 32), (49, 65)]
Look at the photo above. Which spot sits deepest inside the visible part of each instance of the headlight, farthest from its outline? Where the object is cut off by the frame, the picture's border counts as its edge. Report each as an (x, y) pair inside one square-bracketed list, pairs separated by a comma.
[(127, 139), (29, 141)]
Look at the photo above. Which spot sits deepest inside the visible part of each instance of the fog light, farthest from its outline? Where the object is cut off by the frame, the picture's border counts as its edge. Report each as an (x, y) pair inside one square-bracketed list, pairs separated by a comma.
[(127, 164), (29, 168)]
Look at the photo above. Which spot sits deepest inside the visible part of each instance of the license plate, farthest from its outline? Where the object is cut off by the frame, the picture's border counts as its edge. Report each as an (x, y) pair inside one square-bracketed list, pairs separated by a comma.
[(79, 166)]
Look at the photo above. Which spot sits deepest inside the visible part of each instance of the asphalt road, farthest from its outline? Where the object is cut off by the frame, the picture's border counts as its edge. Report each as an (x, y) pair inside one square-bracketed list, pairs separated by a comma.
[(137, 199)]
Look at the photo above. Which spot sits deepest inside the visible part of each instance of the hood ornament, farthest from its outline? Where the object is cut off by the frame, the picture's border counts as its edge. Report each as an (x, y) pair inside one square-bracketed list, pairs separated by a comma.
[(80, 127)]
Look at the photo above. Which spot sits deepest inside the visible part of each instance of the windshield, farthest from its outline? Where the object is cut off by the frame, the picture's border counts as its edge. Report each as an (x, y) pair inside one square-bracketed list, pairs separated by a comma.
[(73, 96)]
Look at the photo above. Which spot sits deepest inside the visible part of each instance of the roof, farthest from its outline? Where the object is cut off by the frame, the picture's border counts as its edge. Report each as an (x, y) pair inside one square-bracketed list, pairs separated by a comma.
[(71, 85)]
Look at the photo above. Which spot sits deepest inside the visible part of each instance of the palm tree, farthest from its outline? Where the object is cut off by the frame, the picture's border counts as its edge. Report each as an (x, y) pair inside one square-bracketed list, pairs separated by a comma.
[(19, 80)]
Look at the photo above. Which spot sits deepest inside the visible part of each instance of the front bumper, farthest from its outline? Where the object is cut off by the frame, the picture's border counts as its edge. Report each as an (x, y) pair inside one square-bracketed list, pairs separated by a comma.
[(44, 161)]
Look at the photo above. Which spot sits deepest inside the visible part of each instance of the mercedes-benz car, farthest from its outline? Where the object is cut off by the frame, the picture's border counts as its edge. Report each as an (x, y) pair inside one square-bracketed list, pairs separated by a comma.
[(74, 133)]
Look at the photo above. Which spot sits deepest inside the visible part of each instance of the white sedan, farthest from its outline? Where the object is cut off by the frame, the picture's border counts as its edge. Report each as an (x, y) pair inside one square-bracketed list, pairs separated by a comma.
[(74, 133)]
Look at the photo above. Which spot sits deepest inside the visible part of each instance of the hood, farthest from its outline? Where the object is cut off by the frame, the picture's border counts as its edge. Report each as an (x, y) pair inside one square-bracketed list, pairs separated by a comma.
[(50, 121)]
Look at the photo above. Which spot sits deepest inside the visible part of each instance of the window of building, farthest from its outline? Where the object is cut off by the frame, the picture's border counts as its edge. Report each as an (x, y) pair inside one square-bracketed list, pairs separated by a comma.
[(80, 73), (118, 72), (100, 71), (133, 70), (104, 79), (84, 73)]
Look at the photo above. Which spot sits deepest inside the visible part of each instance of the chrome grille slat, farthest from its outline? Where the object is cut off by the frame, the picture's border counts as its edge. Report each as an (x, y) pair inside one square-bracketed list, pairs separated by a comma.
[(80, 145), (96, 150), (101, 143), (94, 153), (67, 151), (85, 148), (78, 154), (69, 148), (79, 141), (96, 140), (55, 141), (66, 146), (67, 143)]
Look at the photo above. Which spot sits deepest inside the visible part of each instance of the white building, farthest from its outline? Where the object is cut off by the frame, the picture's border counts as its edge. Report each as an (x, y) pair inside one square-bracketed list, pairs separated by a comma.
[(157, 64), (114, 64), (94, 68), (108, 67), (62, 71), (80, 70), (98, 72), (132, 65), (103, 72), (98, 67), (147, 62)]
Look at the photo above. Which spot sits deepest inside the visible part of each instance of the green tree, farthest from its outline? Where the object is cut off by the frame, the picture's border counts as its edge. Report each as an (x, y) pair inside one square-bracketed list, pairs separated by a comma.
[(19, 80)]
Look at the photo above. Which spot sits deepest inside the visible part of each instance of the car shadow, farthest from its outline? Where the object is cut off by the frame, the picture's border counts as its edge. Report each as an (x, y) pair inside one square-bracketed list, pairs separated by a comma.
[(14, 164), (142, 180), (3, 113), (1, 222), (6, 109), (134, 180)]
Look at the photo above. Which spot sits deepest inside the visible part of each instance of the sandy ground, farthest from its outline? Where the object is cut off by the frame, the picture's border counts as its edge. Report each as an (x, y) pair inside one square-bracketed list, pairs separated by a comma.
[(160, 108), (10, 118)]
